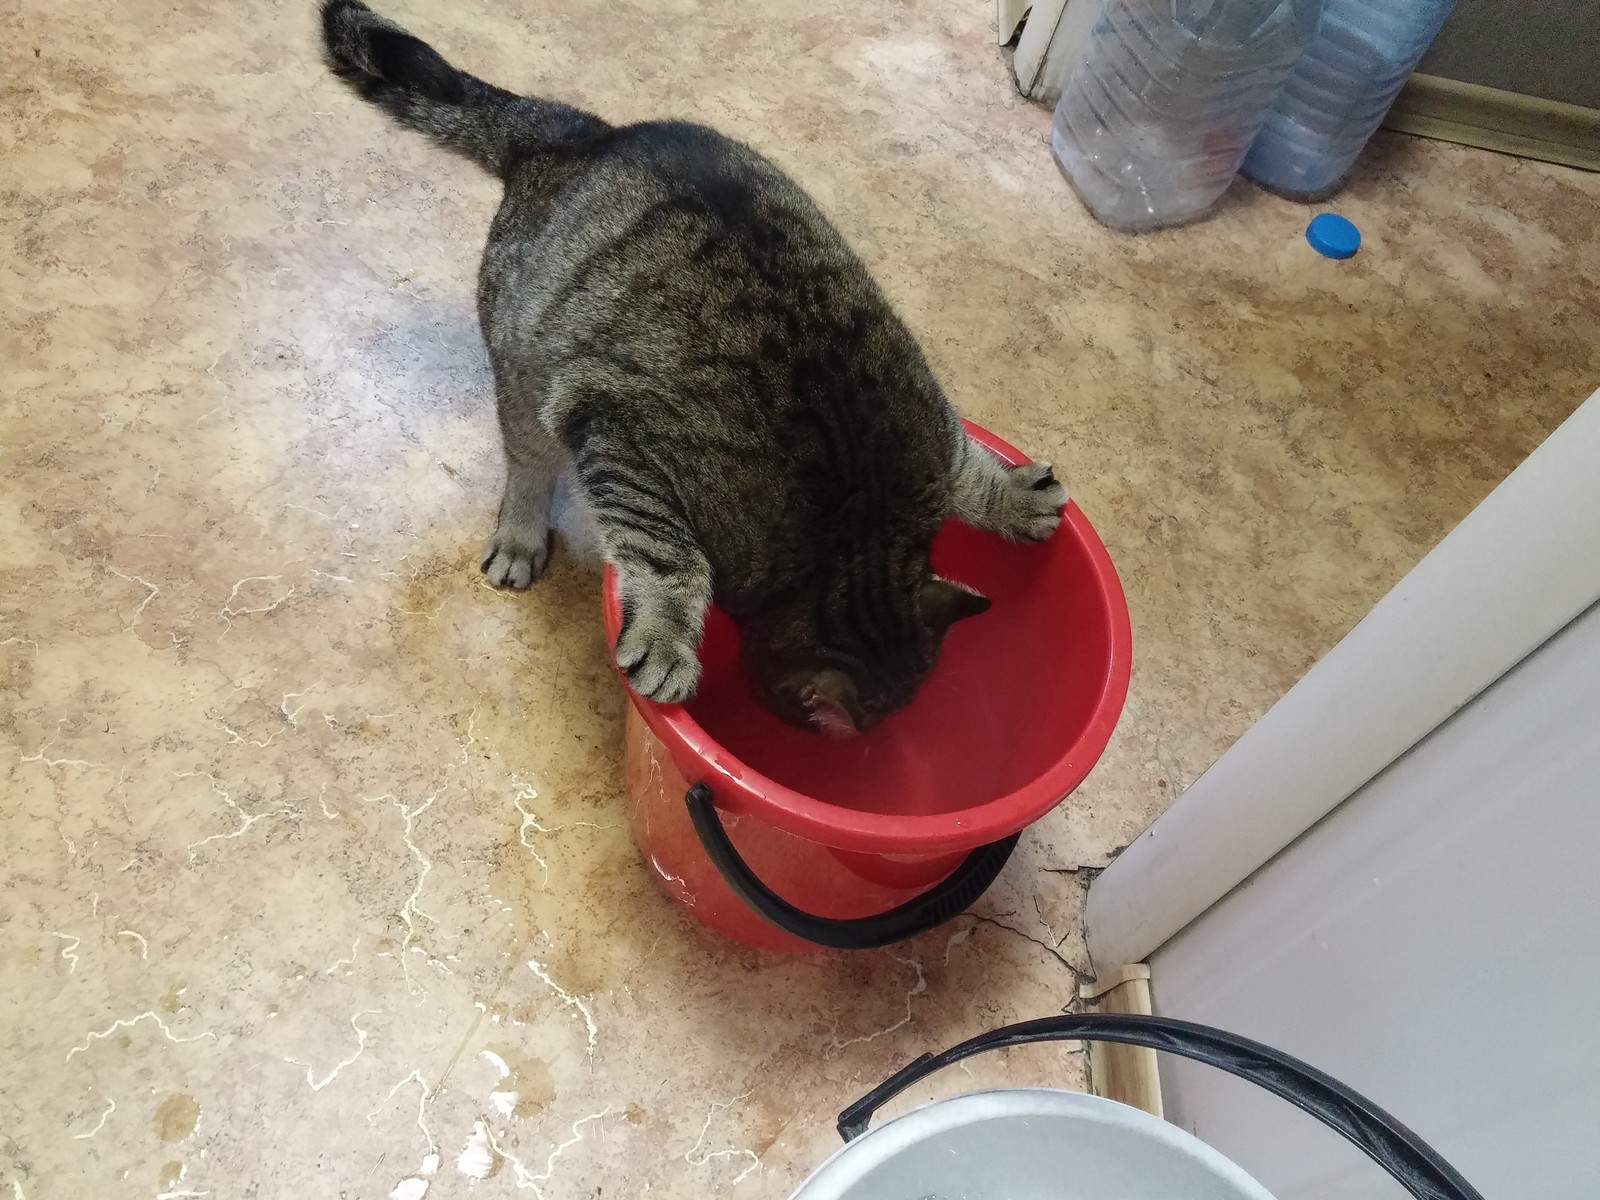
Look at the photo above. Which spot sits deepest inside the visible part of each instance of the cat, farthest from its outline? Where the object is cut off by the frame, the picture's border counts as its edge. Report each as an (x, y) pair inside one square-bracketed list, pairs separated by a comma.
[(673, 321)]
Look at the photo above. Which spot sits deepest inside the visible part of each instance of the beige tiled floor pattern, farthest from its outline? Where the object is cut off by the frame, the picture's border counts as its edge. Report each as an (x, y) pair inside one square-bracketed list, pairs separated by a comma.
[(313, 845)]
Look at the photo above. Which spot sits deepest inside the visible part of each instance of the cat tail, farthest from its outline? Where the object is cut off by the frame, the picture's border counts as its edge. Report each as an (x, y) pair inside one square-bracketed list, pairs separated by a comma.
[(412, 82)]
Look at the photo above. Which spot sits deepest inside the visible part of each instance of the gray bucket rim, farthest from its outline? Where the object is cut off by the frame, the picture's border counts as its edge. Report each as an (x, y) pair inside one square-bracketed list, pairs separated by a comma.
[(853, 1161)]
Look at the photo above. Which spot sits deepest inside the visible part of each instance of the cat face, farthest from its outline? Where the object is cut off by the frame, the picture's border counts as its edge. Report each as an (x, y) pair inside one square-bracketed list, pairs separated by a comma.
[(840, 677)]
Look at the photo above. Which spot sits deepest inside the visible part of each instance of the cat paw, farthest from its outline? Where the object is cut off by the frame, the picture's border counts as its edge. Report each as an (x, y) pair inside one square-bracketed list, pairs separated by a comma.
[(659, 666), (1033, 502), (514, 560)]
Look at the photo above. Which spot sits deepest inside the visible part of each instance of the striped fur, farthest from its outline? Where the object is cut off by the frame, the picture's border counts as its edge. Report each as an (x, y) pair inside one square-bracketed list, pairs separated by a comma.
[(672, 320)]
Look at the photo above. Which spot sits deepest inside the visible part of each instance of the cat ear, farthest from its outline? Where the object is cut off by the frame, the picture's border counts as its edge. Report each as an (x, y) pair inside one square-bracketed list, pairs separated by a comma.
[(830, 699), (944, 602)]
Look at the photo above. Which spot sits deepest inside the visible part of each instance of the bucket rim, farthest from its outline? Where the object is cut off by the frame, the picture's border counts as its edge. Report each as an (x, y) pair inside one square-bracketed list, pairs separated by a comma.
[(927, 1120), (740, 788)]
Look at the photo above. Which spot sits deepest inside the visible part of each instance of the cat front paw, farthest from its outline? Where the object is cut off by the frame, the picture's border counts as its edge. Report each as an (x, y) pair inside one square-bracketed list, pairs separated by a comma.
[(514, 558), (1033, 501), (660, 665)]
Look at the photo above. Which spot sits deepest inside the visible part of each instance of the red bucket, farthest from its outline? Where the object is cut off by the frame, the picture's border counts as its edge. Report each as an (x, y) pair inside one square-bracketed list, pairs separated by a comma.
[(784, 840)]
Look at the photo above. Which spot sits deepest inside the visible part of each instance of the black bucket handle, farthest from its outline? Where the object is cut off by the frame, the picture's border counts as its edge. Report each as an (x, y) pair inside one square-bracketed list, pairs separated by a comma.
[(1411, 1161), (951, 896)]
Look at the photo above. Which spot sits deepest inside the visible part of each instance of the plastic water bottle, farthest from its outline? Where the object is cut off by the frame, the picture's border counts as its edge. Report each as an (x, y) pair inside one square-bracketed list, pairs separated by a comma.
[(1167, 97), (1339, 93)]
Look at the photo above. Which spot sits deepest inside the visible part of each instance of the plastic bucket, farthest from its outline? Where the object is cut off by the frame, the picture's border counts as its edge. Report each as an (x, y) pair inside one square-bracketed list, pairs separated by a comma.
[(1024, 1143), (1042, 1144), (781, 839)]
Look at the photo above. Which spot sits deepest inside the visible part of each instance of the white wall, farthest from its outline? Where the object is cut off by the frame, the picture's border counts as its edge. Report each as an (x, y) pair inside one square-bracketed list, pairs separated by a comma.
[(1434, 943), (1522, 565)]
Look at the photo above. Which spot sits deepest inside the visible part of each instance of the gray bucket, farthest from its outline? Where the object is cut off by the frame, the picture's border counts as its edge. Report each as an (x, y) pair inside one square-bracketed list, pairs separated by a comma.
[(1044, 1144), (1029, 1144)]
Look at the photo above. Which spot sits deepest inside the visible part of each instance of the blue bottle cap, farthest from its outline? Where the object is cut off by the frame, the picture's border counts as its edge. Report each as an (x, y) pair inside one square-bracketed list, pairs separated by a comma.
[(1332, 236)]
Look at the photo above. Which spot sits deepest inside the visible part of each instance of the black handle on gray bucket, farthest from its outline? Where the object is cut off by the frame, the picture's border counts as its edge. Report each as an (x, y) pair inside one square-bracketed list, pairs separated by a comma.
[(1384, 1140), (946, 899)]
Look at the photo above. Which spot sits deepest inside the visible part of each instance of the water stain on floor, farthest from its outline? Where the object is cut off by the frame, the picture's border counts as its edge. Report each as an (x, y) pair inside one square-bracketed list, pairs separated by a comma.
[(176, 1117), (526, 1085)]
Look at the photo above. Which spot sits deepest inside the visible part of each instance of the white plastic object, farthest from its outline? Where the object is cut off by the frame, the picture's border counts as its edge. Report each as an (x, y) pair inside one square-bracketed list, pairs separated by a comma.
[(1028, 1144)]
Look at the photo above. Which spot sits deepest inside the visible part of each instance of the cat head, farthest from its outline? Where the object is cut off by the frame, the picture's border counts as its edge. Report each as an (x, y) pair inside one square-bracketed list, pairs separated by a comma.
[(839, 668)]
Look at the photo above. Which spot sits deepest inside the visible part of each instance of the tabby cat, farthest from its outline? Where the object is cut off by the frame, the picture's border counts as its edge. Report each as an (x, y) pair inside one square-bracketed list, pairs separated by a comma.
[(672, 320)]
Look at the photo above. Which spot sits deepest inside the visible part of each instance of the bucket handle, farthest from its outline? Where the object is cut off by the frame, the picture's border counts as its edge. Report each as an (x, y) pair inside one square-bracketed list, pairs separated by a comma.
[(1401, 1153), (944, 900)]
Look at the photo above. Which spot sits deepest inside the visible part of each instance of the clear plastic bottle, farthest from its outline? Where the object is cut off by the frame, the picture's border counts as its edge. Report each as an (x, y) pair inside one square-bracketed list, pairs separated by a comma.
[(1338, 95), (1167, 97)]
